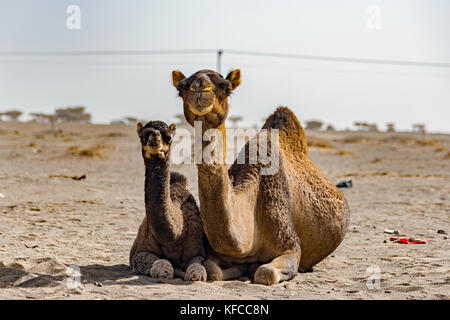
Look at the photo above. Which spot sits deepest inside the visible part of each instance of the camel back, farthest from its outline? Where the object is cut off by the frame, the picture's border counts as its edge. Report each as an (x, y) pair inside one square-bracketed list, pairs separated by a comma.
[(292, 137)]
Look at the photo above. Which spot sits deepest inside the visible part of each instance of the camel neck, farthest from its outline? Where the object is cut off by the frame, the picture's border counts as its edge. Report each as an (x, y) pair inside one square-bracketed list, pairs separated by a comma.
[(164, 220), (222, 221), (213, 179), (157, 174), (210, 143)]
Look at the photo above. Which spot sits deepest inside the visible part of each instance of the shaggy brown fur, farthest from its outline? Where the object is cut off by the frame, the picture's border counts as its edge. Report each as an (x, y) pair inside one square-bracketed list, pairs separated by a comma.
[(171, 233), (280, 224)]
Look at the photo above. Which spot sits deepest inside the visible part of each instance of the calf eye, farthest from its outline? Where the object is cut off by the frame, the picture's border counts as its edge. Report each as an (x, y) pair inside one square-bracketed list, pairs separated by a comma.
[(168, 138)]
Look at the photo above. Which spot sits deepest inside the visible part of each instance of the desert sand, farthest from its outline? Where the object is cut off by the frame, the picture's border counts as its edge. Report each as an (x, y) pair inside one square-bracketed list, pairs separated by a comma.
[(75, 197)]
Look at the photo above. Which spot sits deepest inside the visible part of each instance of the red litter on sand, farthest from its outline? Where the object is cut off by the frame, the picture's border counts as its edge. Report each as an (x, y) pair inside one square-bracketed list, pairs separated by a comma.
[(407, 240)]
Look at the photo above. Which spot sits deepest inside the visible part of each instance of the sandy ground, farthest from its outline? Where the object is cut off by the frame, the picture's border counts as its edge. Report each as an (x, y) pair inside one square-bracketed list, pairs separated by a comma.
[(49, 221)]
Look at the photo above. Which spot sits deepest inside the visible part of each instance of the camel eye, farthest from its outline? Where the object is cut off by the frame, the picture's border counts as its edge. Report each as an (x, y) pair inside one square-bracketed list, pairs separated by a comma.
[(183, 86), (225, 86), (167, 137), (144, 137)]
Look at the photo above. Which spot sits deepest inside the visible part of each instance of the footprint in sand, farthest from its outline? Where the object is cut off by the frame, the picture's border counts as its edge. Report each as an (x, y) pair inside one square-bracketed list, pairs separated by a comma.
[(405, 287)]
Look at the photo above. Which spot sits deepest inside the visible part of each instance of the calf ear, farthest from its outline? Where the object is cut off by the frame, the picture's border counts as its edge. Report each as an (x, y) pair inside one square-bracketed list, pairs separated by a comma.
[(177, 76), (173, 128), (139, 127), (235, 78)]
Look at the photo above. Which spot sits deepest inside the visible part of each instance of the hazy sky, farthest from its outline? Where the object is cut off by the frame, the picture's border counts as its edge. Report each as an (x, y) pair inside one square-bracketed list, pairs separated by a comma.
[(338, 93)]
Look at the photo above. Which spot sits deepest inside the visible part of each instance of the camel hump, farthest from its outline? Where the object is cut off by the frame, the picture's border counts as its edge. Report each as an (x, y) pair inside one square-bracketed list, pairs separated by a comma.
[(179, 179), (292, 137), (179, 188)]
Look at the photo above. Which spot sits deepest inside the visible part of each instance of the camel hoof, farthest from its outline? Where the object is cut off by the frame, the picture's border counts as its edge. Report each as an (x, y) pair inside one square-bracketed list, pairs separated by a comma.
[(195, 272), (162, 269), (267, 275)]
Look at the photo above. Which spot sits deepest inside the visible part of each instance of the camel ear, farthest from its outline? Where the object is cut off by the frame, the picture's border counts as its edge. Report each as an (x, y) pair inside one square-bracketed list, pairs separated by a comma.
[(173, 128), (235, 78), (139, 127), (177, 76)]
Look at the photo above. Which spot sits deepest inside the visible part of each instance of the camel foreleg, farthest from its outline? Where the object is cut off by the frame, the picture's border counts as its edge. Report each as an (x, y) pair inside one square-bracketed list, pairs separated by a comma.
[(281, 268)]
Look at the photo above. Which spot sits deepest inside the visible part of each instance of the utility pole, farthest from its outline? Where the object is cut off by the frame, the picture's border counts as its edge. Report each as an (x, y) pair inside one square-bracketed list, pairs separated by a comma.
[(219, 60)]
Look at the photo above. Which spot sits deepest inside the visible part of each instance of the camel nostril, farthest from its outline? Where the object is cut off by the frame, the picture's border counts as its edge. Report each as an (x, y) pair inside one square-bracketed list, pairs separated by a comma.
[(201, 86), (207, 89)]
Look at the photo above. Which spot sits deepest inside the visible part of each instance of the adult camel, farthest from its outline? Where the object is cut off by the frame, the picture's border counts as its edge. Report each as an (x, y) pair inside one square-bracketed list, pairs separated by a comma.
[(277, 224)]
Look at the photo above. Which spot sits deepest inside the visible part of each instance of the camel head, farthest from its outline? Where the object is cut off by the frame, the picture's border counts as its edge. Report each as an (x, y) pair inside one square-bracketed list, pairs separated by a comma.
[(205, 95), (156, 138)]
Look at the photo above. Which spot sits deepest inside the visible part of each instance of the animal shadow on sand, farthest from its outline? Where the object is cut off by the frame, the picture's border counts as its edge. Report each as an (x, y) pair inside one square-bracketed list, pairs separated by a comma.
[(100, 275)]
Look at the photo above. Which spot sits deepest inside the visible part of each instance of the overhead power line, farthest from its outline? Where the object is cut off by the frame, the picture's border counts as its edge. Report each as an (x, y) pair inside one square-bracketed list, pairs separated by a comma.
[(341, 59), (220, 53), (105, 52)]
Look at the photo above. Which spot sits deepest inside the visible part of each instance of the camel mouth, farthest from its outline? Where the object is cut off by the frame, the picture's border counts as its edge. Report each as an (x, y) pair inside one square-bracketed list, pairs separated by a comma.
[(157, 151), (201, 111)]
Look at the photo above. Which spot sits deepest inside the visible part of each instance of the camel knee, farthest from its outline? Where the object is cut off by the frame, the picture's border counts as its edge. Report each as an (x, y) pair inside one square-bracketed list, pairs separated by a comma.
[(195, 272), (267, 275), (281, 268), (162, 268)]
